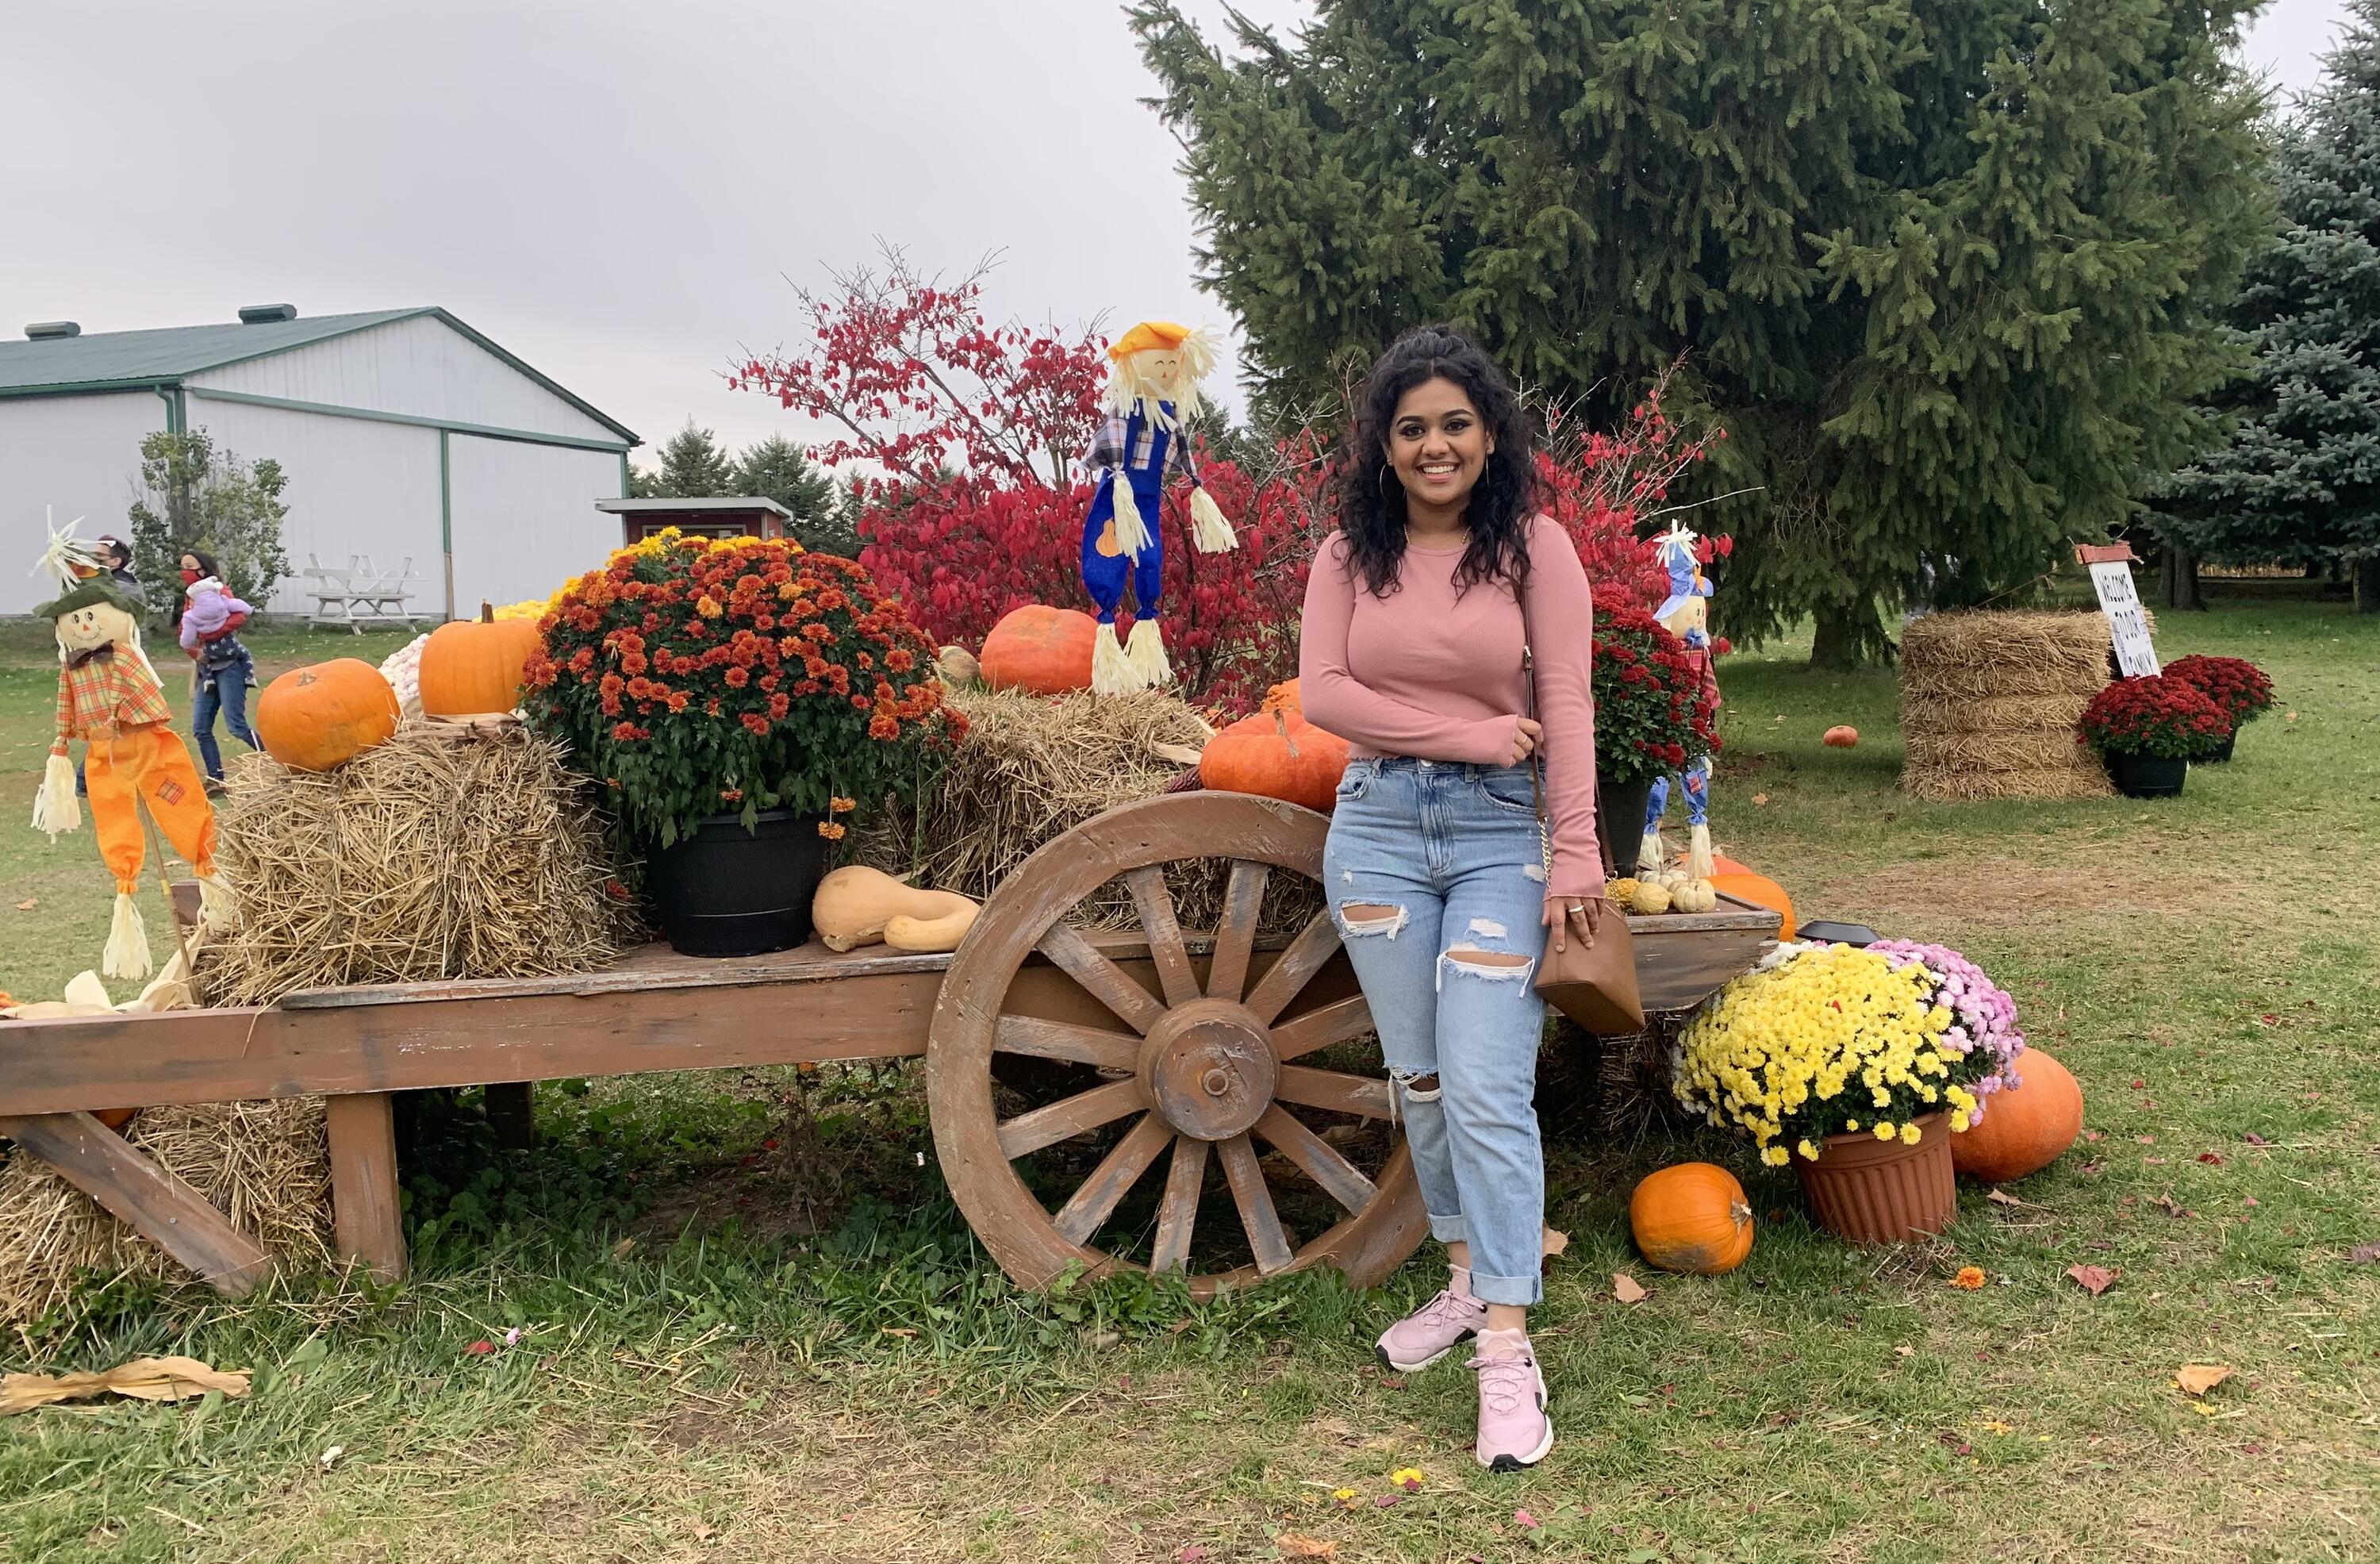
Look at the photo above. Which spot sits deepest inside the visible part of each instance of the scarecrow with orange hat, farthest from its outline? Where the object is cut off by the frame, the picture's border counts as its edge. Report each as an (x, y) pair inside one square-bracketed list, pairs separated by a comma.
[(1152, 392)]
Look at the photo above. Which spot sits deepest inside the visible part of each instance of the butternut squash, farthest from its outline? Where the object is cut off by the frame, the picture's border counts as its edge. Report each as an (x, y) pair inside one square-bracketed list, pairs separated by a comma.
[(858, 905)]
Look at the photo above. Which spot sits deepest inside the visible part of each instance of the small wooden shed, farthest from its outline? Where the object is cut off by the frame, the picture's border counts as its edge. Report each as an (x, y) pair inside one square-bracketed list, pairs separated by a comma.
[(750, 516)]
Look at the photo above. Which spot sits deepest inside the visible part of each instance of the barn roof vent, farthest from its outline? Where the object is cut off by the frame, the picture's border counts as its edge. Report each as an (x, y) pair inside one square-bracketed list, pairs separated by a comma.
[(261, 314), (52, 331)]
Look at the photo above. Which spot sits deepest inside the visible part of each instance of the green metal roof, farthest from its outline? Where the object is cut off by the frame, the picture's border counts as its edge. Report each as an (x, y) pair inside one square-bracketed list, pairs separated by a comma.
[(133, 360)]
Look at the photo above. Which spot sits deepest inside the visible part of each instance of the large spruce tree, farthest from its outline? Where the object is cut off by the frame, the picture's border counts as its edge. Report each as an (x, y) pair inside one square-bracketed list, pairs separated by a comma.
[(1945, 269), (2298, 480)]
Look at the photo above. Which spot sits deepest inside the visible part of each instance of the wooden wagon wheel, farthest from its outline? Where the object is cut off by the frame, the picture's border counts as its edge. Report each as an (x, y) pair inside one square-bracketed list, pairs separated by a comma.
[(1201, 1067)]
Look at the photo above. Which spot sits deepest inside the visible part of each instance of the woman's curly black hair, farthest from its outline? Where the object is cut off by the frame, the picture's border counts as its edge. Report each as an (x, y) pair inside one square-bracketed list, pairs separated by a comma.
[(1371, 501)]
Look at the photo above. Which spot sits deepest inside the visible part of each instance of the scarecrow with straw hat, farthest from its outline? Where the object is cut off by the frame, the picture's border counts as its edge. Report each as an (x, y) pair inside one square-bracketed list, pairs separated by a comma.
[(109, 697), (1152, 393)]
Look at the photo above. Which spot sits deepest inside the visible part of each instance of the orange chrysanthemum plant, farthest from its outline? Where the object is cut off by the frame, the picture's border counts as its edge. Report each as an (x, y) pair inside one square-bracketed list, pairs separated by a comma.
[(696, 677)]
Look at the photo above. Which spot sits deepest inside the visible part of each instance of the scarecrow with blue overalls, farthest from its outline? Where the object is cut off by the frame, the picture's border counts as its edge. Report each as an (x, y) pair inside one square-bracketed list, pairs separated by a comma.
[(1141, 445), (1686, 615)]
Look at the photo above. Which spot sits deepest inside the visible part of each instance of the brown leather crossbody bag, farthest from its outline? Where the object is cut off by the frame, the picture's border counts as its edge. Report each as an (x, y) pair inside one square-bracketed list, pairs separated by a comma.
[(1593, 984)]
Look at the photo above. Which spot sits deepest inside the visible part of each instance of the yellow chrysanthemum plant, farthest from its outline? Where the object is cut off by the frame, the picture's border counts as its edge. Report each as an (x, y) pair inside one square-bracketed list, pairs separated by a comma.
[(1824, 1040)]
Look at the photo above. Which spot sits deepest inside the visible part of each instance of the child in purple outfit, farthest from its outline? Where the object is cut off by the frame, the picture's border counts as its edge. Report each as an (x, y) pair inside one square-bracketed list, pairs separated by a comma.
[(209, 619)]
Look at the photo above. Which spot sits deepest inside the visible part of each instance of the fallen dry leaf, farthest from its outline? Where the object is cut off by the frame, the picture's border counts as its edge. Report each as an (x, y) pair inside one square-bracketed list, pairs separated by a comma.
[(2211, 1159), (2197, 1379), (2093, 1279), (2255, 1139), (1190, 1553), (1627, 1288), (28, 904), (1297, 1544), (2365, 1254), (1905, 1351), (145, 1379), (1526, 1521), (2172, 1206), (1759, 798), (2001, 1197)]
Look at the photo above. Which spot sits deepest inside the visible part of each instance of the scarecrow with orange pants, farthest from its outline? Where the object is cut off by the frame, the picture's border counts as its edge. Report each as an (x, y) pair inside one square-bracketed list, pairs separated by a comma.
[(1152, 393), (109, 697)]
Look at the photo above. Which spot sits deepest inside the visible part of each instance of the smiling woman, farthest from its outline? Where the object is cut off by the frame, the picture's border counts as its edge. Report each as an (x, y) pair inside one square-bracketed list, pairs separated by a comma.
[(1442, 597)]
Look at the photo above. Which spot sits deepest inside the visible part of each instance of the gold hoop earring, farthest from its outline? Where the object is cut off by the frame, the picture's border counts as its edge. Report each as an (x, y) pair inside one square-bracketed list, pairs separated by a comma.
[(1384, 478)]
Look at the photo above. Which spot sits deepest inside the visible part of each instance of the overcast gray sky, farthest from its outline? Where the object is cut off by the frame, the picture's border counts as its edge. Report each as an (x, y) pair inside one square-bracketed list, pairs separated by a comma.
[(612, 188)]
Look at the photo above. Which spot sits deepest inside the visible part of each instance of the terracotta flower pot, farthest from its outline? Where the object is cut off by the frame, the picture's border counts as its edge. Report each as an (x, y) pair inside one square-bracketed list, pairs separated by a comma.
[(1867, 1191)]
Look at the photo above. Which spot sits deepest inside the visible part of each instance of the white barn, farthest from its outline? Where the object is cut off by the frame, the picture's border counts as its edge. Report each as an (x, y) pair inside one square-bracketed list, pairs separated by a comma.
[(405, 434)]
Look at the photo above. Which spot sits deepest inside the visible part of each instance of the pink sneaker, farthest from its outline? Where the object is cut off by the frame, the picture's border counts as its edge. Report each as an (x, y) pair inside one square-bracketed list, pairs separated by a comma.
[(1513, 1429), (1433, 1330)]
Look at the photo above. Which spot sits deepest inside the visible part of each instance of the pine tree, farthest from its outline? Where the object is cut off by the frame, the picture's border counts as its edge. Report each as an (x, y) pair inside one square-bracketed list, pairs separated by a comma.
[(2298, 483), (692, 467), (1945, 269), (777, 468)]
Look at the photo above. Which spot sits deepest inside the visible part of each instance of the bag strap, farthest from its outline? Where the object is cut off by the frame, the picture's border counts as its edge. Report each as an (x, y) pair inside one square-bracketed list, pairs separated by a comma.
[(1536, 754)]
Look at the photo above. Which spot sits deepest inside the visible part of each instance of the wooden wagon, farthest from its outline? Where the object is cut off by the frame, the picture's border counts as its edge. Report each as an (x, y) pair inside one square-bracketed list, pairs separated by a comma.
[(1062, 1064)]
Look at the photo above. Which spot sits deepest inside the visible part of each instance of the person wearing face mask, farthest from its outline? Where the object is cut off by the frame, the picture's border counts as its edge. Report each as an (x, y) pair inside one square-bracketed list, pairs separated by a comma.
[(1426, 612), (208, 628)]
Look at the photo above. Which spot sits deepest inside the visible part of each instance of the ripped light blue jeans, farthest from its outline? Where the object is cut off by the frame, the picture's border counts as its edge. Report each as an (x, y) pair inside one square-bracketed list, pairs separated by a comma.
[(1434, 876)]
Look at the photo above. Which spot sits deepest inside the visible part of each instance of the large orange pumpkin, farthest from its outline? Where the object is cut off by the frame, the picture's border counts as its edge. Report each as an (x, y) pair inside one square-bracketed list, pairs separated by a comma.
[(1041, 649), (471, 667), (1691, 1218), (1759, 890), (2024, 1131), (1275, 754), (313, 718)]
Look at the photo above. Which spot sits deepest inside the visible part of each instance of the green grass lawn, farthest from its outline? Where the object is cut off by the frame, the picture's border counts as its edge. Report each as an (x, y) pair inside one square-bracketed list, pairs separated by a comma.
[(746, 1334)]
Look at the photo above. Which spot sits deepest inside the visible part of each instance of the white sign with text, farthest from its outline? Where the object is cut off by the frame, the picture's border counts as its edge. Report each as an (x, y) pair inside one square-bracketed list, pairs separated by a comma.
[(2135, 653)]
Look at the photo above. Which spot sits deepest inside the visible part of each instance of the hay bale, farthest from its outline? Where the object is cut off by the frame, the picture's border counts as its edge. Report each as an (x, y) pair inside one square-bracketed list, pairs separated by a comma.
[(432, 856), (1990, 700), (1035, 765), (264, 1165)]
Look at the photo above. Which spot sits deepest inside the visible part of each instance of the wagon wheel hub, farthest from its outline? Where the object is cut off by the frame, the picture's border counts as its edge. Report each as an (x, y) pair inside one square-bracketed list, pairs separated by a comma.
[(1209, 1068)]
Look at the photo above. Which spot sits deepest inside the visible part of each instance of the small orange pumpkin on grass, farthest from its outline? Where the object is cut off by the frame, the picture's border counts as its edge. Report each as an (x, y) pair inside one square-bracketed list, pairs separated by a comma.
[(1691, 1218)]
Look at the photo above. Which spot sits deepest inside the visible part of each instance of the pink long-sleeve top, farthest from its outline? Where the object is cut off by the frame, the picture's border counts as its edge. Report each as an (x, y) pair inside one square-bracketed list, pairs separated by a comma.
[(1434, 674)]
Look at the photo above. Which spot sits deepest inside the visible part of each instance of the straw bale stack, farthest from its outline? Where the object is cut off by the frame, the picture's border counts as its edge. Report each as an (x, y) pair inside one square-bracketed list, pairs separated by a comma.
[(436, 855), (263, 1165), (1990, 700), (1033, 766)]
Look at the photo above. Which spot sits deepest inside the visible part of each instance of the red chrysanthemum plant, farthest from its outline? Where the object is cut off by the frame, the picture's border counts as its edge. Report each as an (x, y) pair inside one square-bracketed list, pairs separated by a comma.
[(697, 678), (1655, 712)]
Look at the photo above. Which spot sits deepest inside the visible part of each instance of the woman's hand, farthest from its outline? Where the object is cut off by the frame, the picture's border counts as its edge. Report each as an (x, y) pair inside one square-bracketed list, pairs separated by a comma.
[(1526, 734), (1571, 916)]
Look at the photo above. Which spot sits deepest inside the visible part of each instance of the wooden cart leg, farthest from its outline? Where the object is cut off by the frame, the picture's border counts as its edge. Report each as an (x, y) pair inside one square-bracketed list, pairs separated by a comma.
[(363, 1182), (175, 1217), (511, 1114)]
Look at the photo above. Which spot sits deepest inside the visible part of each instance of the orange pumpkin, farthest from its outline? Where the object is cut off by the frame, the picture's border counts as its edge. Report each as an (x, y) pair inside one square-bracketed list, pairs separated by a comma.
[(471, 667), (1691, 1218), (1046, 651), (1842, 736), (2024, 1131), (1278, 755), (1761, 891), (313, 718)]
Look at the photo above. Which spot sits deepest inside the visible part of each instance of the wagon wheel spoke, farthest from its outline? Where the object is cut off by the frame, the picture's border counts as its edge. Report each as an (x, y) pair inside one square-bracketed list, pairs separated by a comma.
[(1334, 1089), (1077, 1114), (1271, 1245), (1342, 1021), (1063, 1040), (1102, 978), (1165, 946), (1114, 1176), (1287, 978), (1178, 1213), (1236, 930), (1320, 1161)]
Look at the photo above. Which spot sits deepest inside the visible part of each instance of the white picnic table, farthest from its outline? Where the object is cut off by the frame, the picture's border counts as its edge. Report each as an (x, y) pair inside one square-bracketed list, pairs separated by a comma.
[(362, 593)]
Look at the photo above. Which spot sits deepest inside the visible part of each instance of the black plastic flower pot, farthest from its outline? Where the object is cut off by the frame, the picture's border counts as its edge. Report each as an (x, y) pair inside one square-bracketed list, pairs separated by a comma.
[(728, 890), (2215, 754), (1620, 819), (2146, 776)]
